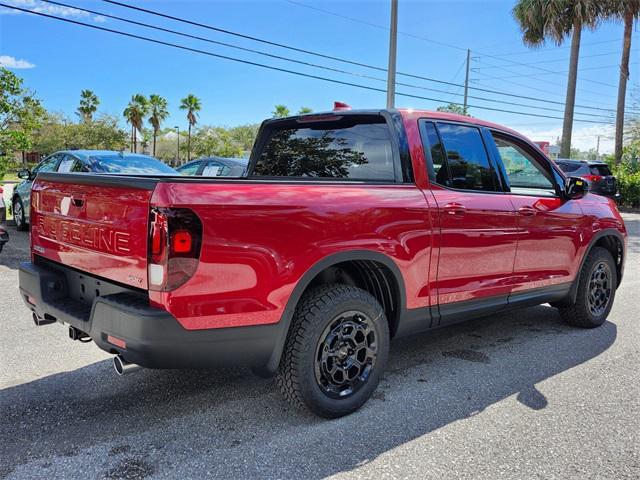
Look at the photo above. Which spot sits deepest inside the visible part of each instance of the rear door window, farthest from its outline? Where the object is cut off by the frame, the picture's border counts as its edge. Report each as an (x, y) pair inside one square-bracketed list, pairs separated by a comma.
[(352, 147), (66, 164), (467, 158), (215, 169), (190, 168)]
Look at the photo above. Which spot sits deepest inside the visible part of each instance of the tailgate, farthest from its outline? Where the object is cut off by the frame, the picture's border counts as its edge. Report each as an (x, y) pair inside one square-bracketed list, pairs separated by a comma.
[(94, 223)]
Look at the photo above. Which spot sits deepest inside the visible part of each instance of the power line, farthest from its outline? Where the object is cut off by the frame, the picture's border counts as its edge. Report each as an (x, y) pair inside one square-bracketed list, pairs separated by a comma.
[(439, 43), (558, 60), (270, 67), (547, 71), (375, 25), (331, 57), (279, 57), (510, 54), (601, 67)]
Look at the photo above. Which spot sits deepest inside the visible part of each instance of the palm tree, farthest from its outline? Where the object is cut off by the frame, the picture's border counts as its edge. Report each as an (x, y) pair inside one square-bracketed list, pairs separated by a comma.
[(627, 11), (305, 110), (280, 111), (555, 20), (192, 105), (134, 113), (159, 113), (88, 105)]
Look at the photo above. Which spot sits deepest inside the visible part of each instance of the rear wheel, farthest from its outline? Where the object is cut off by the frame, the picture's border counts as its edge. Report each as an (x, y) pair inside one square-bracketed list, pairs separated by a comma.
[(18, 214), (596, 291), (336, 351)]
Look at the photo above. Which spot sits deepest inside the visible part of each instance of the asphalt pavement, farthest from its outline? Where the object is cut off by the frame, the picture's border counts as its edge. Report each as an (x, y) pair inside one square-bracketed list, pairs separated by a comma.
[(518, 395)]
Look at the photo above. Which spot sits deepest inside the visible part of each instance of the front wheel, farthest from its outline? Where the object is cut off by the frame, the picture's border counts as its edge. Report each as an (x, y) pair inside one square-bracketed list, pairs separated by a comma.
[(18, 214), (335, 352), (596, 291)]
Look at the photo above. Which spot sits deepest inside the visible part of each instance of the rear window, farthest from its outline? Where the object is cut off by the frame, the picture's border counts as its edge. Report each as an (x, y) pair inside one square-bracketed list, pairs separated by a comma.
[(135, 164), (349, 147), (568, 167), (602, 170)]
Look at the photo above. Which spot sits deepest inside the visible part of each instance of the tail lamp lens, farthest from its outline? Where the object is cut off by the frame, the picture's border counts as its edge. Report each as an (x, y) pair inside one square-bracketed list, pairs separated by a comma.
[(593, 178), (175, 237)]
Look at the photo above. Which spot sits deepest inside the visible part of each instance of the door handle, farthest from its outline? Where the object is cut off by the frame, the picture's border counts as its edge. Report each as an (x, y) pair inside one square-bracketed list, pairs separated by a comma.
[(455, 209), (527, 211)]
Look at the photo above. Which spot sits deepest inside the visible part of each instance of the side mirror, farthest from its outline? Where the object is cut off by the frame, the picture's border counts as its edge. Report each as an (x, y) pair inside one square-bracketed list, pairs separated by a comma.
[(575, 187), (24, 174)]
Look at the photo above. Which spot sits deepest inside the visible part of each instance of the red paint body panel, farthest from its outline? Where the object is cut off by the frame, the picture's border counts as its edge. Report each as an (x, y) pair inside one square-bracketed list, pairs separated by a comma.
[(260, 238), (96, 229)]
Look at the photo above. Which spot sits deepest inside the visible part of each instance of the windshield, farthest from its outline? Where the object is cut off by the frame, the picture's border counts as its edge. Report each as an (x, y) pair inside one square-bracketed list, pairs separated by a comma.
[(138, 164)]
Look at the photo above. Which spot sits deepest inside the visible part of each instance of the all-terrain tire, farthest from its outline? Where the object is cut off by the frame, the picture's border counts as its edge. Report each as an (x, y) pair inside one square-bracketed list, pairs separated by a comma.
[(581, 313), (300, 374)]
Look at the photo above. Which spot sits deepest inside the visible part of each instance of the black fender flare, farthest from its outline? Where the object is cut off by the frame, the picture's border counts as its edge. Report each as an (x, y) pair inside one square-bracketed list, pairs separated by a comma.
[(607, 232), (285, 321)]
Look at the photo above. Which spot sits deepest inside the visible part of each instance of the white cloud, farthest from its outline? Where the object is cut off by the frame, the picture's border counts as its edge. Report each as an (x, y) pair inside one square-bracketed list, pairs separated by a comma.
[(583, 138), (49, 9), (12, 62)]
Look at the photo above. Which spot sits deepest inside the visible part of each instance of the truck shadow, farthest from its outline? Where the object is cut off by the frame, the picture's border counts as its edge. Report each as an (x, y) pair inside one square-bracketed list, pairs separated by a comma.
[(239, 424)]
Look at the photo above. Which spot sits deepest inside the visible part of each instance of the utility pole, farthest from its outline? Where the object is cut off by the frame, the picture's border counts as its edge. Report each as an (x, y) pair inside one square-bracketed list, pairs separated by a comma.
[(466, 80), (598, 149), (393, 45)]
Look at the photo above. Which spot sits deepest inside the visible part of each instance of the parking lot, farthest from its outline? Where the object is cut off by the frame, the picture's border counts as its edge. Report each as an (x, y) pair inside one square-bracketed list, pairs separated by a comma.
[(517, 395)]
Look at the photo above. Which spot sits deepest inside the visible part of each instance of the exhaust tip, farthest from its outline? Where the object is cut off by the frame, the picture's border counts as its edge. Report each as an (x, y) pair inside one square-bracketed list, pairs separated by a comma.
[(122, 367)]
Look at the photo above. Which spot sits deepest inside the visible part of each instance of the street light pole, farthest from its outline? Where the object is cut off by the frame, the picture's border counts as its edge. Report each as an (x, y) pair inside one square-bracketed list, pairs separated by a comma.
[(178, 155), (393, 44)]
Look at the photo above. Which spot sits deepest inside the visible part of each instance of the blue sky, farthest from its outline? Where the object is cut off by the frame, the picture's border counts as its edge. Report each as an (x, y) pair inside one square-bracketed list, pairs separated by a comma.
[(434, 37)]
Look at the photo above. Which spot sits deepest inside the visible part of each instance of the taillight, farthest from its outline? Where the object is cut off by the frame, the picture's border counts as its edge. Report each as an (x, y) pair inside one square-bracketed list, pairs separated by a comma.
[(593, 178), (175, 237)]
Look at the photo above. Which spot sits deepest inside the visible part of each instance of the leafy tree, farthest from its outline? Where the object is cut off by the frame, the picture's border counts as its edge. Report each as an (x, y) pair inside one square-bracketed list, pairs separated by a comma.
[(57, 133), (88, 105), (218, 141), (627, 11), (280, 111), (159, 113), (542, 20), (454, 108), (134, 113), (21, 114), (244, 135), (192, 105), (305, 110)]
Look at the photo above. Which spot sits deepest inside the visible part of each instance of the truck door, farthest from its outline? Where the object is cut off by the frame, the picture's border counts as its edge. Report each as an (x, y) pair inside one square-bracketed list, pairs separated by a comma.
[(477, 222), (549, 225)]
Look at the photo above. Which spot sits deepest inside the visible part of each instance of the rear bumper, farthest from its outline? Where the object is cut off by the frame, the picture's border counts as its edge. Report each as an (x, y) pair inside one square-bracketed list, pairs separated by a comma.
[(153, 337)]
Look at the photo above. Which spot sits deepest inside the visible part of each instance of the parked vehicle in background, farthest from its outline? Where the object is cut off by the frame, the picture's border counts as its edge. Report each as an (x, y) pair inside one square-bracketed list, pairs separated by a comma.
[(4, 237), (215, 167), (601, 181), (351, 228), (3, 207), (82, 161)]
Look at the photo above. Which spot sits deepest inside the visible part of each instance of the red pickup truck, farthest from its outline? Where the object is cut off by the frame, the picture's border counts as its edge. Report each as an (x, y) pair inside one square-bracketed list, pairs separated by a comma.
[(350, 228)]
